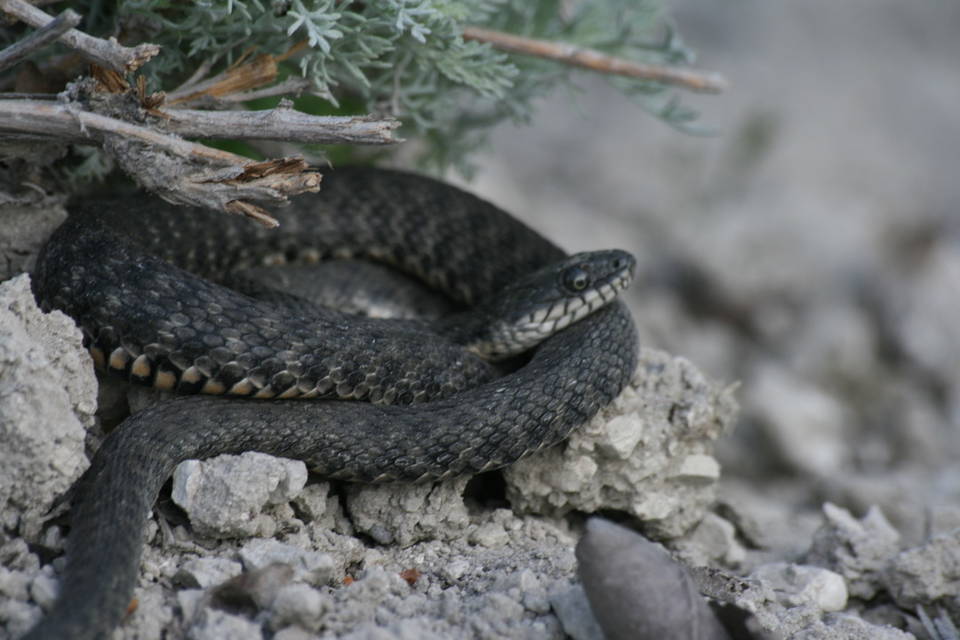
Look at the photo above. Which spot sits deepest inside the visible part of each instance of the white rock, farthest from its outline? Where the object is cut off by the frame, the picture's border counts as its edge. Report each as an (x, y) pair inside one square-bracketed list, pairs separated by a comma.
[(808, 424), (225, 496), (47, 398), (207, 572), (649, 453), (312, 567), (405, 514), (796, 585)]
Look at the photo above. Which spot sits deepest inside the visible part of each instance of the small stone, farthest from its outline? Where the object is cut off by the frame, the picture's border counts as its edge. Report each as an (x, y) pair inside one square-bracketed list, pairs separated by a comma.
[(44, 590), (214, 624), (713, 540), (796, 585), (206, 572), (859, 550), (405, 514), (14, 584), (490, 535), (16, 617), (576, 617), (698, 467), (943, 518), (637, 591), (294, 633), (623, 434), (298, 604), (224, 496), (806, 423), (189, 601), (254, 590), (312, 567), (312, 501), (926, 573), (533, 593), (455, 570)]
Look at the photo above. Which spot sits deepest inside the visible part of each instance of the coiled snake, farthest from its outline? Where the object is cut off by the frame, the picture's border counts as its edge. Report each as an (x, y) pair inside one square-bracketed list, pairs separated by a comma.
[(111, 266)]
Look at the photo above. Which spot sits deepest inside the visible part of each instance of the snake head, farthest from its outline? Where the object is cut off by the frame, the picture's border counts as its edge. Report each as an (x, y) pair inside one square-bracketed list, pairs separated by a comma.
[(526, 313)]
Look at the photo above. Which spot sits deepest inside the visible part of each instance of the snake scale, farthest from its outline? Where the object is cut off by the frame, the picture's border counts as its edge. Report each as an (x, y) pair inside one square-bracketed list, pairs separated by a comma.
[(435, 409)]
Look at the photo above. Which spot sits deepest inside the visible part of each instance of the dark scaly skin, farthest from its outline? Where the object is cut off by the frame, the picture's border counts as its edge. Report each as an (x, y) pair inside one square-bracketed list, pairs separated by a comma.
[(569, 378)]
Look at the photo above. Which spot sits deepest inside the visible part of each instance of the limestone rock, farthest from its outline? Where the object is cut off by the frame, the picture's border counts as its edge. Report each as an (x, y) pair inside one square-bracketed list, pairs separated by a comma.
[(225, 496), (47, 398), (648, 454)]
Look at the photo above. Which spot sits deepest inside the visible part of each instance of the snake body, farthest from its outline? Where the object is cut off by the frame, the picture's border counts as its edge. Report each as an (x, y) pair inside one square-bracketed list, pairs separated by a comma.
[(115, 268)]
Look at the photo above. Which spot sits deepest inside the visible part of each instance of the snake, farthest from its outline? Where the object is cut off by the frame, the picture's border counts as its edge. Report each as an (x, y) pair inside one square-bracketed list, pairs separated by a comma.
[(496, 379)]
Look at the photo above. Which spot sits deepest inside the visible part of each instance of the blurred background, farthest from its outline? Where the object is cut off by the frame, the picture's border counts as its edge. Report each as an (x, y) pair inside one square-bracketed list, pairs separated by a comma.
[(808, 250)]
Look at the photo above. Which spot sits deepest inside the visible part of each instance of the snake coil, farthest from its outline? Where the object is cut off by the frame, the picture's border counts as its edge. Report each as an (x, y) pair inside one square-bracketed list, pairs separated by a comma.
[(119, 269)]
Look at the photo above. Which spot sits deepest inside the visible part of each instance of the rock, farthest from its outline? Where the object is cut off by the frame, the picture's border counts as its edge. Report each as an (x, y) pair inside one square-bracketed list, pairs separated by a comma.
[(807, 423), (928, 573), (405, 514), (573, 609), (216, 625), (489, 534), (312, 567), (253, 590), (312, 501), (838, 626), (16, 617), (298, 604), (924, 317), (44, 589), (943, 518), (14, 585), (225, 496), (47, 398), (637, 591), (712, 541), (795, 585), (152, 616), (26, 226), (648, 454), (859, 550), (206, 572)]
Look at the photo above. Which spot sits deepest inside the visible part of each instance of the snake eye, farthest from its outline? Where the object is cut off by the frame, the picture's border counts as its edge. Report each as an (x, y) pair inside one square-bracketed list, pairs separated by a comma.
[(576, 279)]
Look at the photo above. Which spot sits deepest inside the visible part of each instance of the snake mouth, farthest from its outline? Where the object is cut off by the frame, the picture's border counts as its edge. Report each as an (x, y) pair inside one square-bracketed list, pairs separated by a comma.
[(553, 299), (562, 313)]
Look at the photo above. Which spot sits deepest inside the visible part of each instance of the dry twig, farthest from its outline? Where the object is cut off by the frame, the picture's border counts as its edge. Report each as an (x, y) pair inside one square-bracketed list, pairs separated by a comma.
[(40, 38), (176, 169), (597, 61), (282, 123), (107, 53)]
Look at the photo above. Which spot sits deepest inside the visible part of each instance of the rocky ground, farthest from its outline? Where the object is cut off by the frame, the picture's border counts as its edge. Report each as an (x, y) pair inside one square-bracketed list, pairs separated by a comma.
[(804, 264)]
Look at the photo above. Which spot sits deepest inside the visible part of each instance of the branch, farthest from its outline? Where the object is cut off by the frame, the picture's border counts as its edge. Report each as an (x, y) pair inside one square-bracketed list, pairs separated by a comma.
[(282, 123), (596, 61), (106, 53), (40, 38), (179, 171), (288, 86)]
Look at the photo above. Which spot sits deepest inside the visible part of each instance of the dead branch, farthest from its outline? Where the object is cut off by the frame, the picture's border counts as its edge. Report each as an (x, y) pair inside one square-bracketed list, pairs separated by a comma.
[(39, 39), (260, 71), (281, 123), (106, 53), (290, 86), (178, 170), (597, 61)]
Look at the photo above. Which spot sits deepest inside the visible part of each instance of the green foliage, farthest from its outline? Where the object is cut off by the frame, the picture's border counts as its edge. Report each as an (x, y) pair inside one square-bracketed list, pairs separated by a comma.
[(404, 57)]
